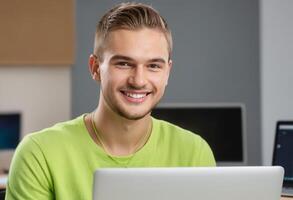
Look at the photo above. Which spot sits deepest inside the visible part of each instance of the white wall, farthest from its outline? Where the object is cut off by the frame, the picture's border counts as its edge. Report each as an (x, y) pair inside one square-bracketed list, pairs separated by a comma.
[(276, 69), (41, 93)]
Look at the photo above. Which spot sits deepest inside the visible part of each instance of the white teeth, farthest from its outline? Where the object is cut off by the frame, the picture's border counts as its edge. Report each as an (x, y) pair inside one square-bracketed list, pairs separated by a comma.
[(136, 96)]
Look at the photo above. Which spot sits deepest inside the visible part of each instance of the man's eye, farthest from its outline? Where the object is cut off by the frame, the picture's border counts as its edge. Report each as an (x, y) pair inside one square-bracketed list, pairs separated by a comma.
[(123, 64), (154, 66)]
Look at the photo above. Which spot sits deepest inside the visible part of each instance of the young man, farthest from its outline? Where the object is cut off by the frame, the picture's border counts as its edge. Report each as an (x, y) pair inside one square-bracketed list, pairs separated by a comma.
[(131, 62)]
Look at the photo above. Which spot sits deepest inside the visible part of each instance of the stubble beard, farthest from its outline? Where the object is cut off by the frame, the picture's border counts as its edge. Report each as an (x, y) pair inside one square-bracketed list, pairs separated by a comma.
[(118, 109)]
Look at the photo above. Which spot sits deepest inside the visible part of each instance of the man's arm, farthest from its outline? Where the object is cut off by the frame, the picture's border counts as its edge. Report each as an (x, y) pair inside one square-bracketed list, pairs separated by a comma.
[(29, 177)]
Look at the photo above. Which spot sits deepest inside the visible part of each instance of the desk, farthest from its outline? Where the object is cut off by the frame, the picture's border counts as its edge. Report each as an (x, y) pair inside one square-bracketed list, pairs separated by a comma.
[(286, 198)]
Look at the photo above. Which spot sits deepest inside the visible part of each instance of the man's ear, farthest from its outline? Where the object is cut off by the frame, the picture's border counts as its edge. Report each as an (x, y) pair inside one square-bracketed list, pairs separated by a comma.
[(170, 63), (94, 67)]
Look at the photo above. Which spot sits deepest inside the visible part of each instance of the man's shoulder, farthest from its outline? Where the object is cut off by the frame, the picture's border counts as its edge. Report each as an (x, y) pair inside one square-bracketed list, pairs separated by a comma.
[(190, 147), (168, 129), (58, 132)]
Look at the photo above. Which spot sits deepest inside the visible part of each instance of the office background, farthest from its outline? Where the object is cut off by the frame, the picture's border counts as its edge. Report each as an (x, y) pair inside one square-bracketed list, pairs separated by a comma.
[(224, 51)]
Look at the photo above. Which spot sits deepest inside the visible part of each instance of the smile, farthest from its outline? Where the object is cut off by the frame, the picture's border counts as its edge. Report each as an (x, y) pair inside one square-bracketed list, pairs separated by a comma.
[(135, 97)]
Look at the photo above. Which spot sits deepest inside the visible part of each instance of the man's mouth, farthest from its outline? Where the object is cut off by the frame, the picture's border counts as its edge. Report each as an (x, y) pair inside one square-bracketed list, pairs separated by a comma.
[(136, 97)]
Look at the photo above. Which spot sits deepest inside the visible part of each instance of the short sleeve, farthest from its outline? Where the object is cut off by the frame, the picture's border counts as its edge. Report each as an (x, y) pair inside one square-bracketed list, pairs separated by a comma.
[(29, 176), (206, 156)]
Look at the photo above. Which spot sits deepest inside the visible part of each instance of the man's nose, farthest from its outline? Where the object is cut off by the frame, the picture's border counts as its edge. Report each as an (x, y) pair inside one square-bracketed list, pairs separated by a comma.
[(138, 77)]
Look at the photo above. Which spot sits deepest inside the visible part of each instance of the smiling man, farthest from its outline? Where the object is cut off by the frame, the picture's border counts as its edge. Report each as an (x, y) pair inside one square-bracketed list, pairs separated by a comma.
[(131, 62)]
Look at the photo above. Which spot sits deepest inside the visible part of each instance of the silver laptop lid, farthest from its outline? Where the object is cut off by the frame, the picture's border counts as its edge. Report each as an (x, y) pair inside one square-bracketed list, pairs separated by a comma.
[(283, 150), (221, 183)]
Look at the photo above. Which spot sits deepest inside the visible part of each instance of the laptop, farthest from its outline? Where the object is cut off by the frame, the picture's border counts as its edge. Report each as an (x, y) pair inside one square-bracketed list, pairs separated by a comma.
[(283, 154), (203, 183)]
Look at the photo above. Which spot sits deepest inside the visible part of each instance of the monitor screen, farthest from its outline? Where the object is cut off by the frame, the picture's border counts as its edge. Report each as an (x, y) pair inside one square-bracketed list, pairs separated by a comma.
[(283, 149), (220, 126), (9, 130)]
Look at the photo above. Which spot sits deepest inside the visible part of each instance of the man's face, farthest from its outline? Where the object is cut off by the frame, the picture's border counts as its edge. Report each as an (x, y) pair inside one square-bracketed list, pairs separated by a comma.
[(134, 71)]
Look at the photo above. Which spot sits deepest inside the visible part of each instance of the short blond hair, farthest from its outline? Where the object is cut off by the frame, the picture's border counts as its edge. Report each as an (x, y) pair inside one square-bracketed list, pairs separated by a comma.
[(129, 16)]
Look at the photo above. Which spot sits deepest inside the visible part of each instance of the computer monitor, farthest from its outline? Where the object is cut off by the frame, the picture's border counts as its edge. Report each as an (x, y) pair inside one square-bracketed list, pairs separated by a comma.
[(283, 151), (10, 129), (221, 125)]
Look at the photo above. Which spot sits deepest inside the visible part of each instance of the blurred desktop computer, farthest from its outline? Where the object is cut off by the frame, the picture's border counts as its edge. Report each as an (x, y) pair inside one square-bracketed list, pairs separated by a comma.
[(10, 131), (222, 125)]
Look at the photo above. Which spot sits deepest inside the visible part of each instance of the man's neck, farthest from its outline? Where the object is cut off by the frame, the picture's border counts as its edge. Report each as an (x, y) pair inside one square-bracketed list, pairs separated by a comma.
[(121, 136)]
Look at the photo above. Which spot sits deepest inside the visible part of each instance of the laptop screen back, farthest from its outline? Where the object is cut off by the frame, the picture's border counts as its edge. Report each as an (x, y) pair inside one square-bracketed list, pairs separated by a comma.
[(283, 150), (200, 183)]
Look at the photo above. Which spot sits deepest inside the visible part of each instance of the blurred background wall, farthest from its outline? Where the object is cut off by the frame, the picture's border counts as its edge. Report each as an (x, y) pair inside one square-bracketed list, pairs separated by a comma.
[(276, 69), (37, 39)]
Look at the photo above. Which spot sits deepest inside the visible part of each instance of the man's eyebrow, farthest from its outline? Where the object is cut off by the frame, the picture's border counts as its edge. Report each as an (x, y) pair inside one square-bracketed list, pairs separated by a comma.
[(161, 60), (120, 57)]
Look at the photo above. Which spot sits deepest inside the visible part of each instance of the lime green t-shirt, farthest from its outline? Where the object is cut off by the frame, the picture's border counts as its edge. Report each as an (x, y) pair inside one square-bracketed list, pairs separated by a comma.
[(59, 162)]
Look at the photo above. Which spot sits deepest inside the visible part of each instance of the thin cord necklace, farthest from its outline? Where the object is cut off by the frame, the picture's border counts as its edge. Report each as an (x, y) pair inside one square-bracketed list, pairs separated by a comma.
[(138, 146)]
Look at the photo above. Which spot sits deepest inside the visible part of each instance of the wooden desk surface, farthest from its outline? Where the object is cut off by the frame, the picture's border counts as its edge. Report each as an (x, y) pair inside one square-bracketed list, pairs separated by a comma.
[(286, 198)]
